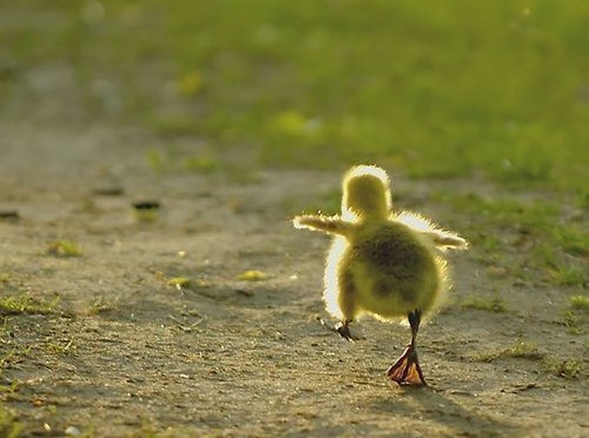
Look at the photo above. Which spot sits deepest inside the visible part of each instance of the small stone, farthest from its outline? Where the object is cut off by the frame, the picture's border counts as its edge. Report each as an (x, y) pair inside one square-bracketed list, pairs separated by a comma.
[(497, 271), (253, 275), (73, 431), (109, 191), (146, 205), (9, 215), (245, 293)]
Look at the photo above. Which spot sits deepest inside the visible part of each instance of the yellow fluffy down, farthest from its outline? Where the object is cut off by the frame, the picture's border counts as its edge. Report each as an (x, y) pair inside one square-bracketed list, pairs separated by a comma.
[(382, 262)]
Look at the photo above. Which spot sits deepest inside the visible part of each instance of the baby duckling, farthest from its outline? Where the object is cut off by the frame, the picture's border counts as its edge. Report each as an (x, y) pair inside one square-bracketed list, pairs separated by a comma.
[(384, 263)]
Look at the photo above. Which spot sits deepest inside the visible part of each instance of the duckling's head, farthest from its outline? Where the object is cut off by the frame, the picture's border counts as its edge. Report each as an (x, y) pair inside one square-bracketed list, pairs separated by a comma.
[(366, 194)]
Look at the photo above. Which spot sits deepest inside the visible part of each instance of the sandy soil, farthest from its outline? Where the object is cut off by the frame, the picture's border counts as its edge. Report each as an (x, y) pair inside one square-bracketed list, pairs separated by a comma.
[(125, 354)]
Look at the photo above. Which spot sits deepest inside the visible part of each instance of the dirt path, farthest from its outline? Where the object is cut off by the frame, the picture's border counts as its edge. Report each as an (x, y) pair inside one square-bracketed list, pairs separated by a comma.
[(123, 353)]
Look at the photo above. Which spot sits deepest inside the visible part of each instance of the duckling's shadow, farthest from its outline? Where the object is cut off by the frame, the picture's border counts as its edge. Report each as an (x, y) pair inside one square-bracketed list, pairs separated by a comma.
[(431, 404)]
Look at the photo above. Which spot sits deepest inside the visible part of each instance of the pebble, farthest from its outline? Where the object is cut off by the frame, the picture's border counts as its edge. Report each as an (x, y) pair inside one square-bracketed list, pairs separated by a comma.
[(73, 431)]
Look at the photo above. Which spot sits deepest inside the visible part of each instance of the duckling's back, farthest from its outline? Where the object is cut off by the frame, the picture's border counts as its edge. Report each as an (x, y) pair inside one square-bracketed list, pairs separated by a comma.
[(394, 271)]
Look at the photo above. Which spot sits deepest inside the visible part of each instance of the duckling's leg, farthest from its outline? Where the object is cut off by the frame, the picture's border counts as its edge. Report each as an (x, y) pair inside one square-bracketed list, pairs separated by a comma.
[(347, 304), (343, 329), (406, 371)]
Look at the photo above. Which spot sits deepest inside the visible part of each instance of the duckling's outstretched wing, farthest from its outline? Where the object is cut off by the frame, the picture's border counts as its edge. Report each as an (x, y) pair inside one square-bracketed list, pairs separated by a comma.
[(439, 237), (446, 239), (327, 224)]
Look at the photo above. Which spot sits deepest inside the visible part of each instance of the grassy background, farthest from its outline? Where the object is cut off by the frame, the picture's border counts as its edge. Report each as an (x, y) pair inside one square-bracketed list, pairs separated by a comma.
[(434, 89)]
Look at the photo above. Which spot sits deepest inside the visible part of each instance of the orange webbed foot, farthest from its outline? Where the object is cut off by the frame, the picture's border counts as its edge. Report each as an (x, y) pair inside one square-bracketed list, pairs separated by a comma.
[(406, 371)]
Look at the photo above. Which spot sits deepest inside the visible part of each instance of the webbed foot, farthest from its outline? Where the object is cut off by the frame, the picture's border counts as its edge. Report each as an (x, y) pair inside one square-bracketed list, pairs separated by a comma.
[(406, 371), (343, 329)]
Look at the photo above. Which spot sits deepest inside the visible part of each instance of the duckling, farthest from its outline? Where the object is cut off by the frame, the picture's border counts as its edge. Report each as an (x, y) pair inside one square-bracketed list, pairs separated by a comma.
[(384, 263)]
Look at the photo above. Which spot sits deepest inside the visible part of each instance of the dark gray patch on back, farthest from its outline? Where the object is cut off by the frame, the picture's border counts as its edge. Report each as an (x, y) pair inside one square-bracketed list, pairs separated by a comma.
[(393, 251)]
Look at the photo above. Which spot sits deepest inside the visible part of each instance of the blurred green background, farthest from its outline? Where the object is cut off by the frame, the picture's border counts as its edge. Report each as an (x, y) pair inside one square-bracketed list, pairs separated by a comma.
[(433, 89)]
